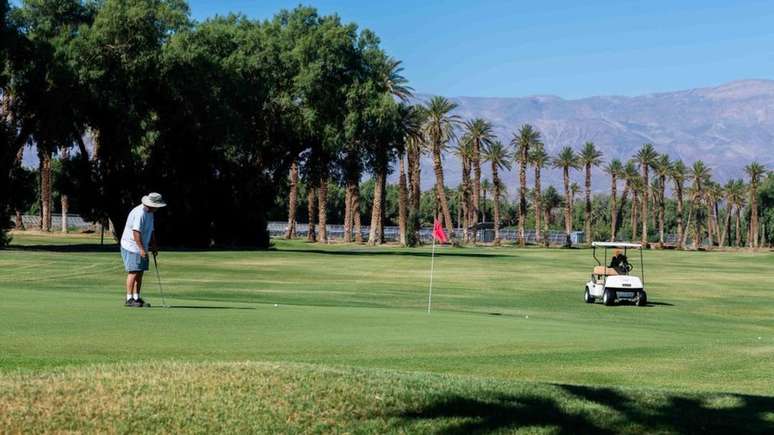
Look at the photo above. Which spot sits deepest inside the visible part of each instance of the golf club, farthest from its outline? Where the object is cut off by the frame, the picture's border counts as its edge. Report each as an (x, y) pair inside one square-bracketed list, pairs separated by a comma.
[(158, 276)]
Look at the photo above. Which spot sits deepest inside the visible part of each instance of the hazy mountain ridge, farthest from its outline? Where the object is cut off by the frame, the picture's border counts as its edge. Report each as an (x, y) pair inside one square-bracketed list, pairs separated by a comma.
[(727, 126)]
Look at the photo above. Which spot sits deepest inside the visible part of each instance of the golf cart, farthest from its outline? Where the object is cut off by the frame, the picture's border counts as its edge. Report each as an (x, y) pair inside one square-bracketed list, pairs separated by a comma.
[(612, 282)]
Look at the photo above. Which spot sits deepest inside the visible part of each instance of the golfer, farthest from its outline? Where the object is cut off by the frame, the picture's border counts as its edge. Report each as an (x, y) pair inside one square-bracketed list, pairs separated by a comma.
[(138, 238)]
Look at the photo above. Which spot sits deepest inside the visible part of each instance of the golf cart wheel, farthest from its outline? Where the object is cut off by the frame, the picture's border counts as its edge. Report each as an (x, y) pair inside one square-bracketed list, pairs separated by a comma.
[(643, 299), (587, 297), (608, 297)]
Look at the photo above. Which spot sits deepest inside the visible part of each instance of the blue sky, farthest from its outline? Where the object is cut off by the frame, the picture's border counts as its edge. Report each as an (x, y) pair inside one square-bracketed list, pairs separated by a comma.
[(568, 48)]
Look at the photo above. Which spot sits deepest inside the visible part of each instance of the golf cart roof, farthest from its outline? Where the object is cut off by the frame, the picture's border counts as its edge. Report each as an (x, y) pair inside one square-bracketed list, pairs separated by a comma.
[(617, 245)]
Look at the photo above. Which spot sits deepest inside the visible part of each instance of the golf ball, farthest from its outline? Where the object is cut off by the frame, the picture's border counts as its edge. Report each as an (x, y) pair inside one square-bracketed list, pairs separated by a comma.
[(276, 305)]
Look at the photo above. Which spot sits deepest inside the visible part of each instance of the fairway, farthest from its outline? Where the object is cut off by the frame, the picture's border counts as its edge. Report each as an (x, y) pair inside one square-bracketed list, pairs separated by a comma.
[(295, 336)]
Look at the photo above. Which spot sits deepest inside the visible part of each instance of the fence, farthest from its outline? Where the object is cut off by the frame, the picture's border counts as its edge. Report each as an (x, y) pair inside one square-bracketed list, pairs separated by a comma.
[(74, 221), (392, 234)]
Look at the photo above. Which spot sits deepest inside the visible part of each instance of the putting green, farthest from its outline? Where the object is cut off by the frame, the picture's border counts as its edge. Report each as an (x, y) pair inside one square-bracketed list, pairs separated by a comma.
[(500, 315)]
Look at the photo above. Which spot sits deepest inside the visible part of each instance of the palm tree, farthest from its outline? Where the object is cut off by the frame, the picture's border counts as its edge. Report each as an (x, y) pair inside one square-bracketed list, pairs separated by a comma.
[(292, 201), (464, 151), (391, 77), (737, 197), (500, 158), (637, 186), (754, 171), (630, 175), (539, 158), (486, 186), (678, 172), (662, 165), (526, 137), (410, 127), (478, 134), (566, 160), (714, 195), (700, 174), (615, 170), (645, 157), (439, 130), (311, 202), (728, 193), (589, 157)]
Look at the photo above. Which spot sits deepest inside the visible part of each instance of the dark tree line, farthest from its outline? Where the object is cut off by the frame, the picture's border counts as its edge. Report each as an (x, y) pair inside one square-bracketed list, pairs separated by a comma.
[(133, 96)]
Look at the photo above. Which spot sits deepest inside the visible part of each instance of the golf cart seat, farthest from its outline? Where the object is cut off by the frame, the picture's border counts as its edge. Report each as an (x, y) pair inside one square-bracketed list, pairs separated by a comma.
[(602, 270)]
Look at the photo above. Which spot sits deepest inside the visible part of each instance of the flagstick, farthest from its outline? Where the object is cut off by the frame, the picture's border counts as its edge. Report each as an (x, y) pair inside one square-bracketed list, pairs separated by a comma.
[(432, 265)]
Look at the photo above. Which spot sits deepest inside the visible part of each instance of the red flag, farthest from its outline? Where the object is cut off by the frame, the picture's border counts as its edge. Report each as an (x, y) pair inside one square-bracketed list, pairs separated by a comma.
[(438, 233)]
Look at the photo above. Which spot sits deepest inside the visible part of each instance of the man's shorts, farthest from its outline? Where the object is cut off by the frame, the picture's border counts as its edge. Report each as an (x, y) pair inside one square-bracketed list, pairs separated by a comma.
[(133, 262)]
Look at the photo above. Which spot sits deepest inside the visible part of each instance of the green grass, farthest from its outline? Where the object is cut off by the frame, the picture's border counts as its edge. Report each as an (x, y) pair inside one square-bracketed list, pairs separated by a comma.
[(509, 344)]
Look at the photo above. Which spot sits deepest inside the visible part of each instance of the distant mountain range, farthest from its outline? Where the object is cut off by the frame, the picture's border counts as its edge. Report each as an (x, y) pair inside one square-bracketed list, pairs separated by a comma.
[(727, 126)]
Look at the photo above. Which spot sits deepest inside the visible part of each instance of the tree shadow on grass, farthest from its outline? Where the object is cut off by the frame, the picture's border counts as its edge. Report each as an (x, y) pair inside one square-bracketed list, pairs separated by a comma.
[(687, 413), (503, 412), (664, 413), (74, 248)]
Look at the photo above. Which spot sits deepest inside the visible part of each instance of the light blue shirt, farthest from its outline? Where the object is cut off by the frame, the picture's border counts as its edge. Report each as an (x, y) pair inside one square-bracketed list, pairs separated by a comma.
[(139, 220)]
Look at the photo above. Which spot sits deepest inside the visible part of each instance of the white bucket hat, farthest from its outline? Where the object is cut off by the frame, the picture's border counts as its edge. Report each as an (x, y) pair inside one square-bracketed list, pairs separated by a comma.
[(154, 200)]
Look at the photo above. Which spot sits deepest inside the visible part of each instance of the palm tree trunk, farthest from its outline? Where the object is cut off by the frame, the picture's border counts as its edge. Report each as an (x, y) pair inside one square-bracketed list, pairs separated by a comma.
[(414, 170), (64, 199), (726, 225), (45, 190), (587, 212), (402, 202), (483, 205), (374, 236), (635, 201), (645, 205), (19, 224), (738, 225), (522, 196), (292, 201), (496, 205), (754, 214), (711, 222), (567, 206), (476, 161), (322, 210), (680, 209), (613, 207), (661, 212), (619, 221), (464, 203), (440, 190), (538, 207), (311, 202), (356, 213), (348, 214), (697, 235)]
